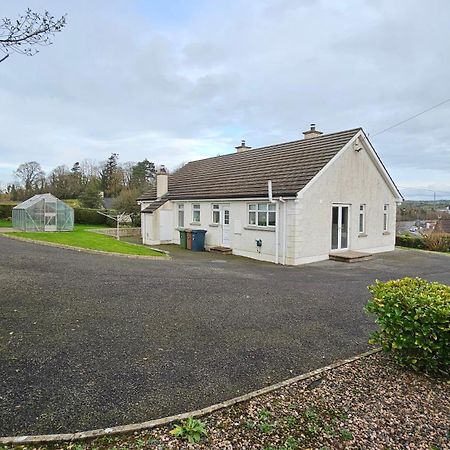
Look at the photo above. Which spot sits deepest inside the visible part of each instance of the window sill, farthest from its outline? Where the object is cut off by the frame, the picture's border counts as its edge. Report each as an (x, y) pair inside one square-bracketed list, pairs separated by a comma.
[(196, 223), (386, 233), (213, 225), (362, 235), (256, 228)]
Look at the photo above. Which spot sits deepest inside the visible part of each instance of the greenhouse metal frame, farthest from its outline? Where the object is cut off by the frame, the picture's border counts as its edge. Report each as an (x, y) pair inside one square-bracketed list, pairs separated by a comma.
[(43, 212)]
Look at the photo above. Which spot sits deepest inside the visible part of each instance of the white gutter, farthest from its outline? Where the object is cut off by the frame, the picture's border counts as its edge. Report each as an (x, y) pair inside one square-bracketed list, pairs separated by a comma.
[(277, 213)]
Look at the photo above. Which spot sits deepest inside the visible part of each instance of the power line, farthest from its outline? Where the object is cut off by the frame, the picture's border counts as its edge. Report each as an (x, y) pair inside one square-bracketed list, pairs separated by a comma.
[(436, 191), (412, 117)]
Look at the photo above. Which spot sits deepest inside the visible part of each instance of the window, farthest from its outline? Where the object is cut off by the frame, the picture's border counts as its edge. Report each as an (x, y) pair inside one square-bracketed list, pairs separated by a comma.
[(262, 214), (386, 218), (181, 216), (196, 213), (362, 219), (215, 213)]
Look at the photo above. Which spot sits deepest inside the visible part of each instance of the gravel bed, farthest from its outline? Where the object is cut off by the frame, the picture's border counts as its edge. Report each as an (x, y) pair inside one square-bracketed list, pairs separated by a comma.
[(368, 404)]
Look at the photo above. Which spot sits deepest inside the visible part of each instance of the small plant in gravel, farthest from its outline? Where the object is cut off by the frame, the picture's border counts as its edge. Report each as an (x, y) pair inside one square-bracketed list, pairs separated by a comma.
[(266, 427), (345, 434), (414, 320), (291, 421), (264, 414), (190, 429), (249, 424)]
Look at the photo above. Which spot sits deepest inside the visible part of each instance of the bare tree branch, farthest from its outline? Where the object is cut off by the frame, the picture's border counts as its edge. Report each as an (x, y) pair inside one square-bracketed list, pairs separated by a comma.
[(27, 32)]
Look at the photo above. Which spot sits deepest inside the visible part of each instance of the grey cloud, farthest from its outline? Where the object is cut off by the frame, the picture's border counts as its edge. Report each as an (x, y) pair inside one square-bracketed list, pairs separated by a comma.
[(120, 79)]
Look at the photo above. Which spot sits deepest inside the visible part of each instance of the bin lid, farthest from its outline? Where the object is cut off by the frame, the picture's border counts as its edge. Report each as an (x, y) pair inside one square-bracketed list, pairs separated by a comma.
[(199, 231)]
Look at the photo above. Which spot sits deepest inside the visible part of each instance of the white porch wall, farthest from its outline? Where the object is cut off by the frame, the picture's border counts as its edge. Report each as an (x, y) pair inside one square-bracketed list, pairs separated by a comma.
[(353, 179)]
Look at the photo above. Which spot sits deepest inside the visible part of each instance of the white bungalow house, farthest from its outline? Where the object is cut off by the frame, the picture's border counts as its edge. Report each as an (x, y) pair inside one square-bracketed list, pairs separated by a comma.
[(290, 203)]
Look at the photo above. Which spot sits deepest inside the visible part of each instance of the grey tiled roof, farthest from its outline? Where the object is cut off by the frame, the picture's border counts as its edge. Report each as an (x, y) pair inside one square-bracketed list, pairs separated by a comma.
[(155, 205), (290, 166), (443, 225)]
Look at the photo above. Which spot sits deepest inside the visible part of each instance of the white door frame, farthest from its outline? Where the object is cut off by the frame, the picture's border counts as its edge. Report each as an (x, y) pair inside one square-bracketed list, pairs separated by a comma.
[(225, 228), (340, 207)]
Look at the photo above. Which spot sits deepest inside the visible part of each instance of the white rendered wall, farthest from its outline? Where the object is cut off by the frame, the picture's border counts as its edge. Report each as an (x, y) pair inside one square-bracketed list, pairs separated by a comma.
[(352, 179)]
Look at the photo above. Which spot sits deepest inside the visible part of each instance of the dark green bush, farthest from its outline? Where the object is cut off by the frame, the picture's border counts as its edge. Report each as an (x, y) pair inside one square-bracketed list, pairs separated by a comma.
[(409, 241), (414, 320), (6, 210), (88, 216)]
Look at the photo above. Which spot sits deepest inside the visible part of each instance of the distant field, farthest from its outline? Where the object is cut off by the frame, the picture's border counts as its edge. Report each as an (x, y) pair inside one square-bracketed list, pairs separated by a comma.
[(81, 237)]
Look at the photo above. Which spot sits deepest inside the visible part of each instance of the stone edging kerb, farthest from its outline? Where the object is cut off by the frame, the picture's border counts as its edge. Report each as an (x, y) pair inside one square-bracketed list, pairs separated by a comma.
[(123, 429)]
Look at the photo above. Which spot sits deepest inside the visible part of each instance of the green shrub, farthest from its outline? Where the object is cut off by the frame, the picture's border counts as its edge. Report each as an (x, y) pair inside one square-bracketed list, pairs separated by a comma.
[(414, 320), (409, 241), (190, 429), (437, 242), (87, 216), (6, 210)]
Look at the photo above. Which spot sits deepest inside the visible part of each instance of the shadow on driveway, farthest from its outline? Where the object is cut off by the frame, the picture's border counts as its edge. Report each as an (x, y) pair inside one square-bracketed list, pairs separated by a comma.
[(89, 341)]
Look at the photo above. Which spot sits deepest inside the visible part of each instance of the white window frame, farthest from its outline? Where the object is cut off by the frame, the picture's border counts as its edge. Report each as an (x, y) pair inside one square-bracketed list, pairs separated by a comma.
[(215, 208), (181, 214), (362, 219), (386, 217), (196, 208), (261, 209)]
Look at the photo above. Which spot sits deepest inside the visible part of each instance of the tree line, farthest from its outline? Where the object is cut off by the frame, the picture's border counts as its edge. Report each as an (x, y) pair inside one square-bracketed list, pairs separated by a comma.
[(87, 181)]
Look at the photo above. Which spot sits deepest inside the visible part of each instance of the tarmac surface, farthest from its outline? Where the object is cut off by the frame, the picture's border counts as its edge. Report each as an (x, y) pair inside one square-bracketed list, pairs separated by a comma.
[(89, 341)]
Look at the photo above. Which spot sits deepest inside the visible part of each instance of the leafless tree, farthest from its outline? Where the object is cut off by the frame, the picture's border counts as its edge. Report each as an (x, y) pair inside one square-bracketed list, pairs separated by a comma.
[(27, 32), (30, 174)]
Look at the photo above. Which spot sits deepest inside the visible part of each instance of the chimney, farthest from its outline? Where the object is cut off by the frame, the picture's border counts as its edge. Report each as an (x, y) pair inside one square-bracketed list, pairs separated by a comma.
[(162, 182), (312, 133), (242, 147)]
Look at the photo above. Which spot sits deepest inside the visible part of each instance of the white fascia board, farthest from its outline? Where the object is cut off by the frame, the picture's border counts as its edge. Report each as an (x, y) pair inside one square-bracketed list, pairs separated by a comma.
[(328, 165)]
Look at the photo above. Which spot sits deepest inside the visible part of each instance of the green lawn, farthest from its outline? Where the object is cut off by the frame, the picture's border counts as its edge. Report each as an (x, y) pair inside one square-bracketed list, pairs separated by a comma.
[(5, 223), (83, 238)]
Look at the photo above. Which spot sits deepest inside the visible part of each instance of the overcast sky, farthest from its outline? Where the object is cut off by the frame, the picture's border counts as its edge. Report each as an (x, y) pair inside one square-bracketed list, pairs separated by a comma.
[(186, 79)]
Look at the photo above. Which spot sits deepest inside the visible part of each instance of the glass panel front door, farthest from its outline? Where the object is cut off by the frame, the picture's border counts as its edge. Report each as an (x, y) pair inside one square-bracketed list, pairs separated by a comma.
[(339, 227), (226, 226)]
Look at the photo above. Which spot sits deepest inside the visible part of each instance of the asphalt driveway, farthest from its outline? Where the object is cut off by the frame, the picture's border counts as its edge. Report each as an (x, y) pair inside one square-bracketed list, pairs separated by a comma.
[(89, 341)]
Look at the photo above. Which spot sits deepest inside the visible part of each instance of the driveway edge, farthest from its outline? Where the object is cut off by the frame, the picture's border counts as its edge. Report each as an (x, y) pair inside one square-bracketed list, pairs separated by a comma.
[(123, 429), (87, 250)]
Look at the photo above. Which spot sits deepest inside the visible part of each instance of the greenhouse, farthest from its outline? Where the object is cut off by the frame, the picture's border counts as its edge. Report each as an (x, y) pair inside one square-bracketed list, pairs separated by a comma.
[(43, 212)]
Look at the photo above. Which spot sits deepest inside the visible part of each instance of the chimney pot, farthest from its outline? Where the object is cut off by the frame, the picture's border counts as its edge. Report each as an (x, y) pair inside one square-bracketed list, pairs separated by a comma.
[(312, 132), (242, 147), (162, 182)]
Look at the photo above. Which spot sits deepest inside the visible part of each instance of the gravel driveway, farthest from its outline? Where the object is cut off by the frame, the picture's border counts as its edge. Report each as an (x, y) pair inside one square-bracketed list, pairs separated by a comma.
[(89, 341)]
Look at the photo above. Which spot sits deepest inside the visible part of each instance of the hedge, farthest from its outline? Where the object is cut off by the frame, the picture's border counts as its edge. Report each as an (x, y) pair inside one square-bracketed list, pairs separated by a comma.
[(409, 241), (414, 319), (6, 210), (88, 216)]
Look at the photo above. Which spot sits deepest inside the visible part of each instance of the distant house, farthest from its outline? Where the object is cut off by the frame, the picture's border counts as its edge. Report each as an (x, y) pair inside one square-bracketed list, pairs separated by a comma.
[(443, 226), (289, 203)]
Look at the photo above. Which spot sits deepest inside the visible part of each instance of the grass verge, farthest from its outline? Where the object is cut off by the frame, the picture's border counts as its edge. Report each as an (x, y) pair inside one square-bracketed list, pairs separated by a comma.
[(5, 223), (82, 237)]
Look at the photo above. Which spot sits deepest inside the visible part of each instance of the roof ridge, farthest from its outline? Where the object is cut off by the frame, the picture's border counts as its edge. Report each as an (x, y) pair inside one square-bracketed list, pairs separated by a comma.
[(296, 141)]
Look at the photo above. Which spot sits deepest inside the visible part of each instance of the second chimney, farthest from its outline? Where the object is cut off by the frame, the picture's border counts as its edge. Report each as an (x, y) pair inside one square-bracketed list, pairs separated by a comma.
[(242, 147), (312, 133)]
